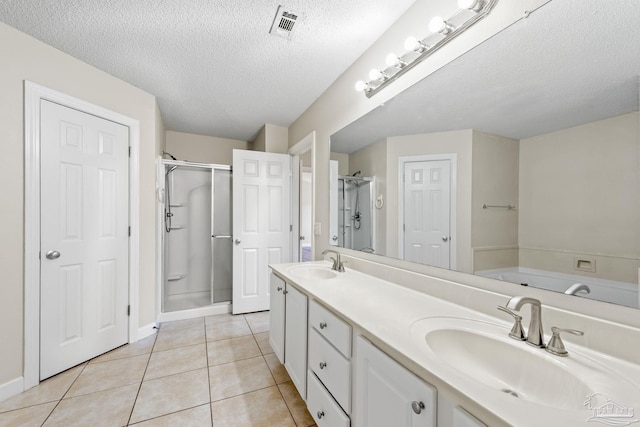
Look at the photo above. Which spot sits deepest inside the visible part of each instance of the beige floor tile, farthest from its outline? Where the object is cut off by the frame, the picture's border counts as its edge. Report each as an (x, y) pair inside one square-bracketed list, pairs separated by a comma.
[(231, 350), (231, 328), (258, 322), (181, 324), (240, 377), (278, 370), (32, 416), (107, 375), (48, 390), (143, 346), (175, 338), (170, 394), (104, 408), (196, 417), (296, 405), (174, 361), (262, 408), (210, 320), (263, 343)]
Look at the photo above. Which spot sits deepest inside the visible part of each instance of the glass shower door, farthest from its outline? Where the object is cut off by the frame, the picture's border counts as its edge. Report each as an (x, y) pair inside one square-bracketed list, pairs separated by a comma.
[(221, 238)]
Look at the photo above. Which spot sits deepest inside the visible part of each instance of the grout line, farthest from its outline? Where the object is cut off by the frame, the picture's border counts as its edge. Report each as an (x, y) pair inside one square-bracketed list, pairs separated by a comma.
[(67, 391), (206, 354), (135, 399)]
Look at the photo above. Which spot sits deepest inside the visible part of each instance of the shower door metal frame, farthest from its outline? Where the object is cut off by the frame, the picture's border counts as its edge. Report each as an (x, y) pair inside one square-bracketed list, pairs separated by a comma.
[(162, 165)]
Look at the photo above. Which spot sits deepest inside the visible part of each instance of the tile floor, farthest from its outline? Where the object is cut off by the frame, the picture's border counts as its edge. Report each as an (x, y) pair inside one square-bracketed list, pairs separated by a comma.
[(209, 371)]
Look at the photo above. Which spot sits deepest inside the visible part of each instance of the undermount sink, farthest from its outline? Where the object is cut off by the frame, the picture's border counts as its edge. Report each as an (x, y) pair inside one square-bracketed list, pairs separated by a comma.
[(482, 352), (314, 271)]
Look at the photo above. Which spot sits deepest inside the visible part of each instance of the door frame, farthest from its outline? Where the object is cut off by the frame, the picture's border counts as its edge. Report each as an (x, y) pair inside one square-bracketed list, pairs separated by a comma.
[(308, 143), (453, 158), (33, 95)]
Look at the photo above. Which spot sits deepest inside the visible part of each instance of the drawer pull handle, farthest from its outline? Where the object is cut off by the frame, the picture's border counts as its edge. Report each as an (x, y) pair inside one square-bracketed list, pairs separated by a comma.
[(323, 365), (323, 325), (320, 414), (417, 407)]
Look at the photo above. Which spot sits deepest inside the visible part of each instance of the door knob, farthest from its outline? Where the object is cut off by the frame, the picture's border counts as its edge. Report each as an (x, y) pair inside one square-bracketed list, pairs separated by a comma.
[(334, 238), (301, 237), (238, 241), (445, 238), (53, 255)]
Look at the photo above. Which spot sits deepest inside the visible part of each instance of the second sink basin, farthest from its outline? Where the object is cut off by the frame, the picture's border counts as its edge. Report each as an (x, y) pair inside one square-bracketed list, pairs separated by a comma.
[(313, 271), (482, 352)]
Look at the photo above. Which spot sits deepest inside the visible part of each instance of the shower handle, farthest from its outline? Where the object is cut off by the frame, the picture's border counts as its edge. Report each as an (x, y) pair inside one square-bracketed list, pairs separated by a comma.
[(221, 236)]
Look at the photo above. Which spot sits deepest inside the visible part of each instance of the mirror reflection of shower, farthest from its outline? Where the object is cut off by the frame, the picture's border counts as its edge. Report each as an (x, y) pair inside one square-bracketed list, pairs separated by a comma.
[(355, 212)]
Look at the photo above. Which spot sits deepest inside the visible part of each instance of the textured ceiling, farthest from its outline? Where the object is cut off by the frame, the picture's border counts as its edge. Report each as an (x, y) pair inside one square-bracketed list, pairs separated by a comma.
[(212, 65), (570, 62)]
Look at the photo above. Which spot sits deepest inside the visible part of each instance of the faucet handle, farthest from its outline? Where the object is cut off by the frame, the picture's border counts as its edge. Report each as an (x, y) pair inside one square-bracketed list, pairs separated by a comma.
[(335, 263), (556, 346), (516, 331)]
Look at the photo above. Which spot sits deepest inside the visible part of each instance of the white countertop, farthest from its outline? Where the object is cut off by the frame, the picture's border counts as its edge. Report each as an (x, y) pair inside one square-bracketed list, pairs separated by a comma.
[(386, 312)]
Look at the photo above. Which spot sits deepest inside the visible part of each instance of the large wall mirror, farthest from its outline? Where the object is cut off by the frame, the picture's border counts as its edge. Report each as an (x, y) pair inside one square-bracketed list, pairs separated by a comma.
[(519, 161)]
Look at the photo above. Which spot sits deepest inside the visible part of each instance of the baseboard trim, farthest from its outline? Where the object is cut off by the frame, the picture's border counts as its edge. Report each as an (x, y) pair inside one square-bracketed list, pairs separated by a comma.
[(212, 310), (11, 388), (147, 330)]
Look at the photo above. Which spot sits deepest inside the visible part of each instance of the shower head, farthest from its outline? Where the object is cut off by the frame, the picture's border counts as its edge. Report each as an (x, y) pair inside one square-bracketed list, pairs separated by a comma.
[(164, 153), (356, 173)]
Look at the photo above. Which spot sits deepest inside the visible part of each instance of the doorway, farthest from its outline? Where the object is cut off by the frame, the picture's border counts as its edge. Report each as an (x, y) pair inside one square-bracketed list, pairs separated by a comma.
[(115, 205), (427, 210)]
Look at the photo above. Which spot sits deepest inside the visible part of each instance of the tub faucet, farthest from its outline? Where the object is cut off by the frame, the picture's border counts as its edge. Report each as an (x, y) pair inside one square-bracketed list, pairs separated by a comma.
[(577, 287), (535, 334), (338, 265)]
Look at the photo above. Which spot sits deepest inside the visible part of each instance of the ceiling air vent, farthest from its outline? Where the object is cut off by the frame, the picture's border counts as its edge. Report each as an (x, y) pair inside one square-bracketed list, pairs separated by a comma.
[(284, 23)]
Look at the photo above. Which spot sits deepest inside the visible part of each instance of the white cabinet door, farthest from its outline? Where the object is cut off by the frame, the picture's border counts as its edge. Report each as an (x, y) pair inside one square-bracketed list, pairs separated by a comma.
[(387, 394), (276, 316), (295, 342), (462, 418)]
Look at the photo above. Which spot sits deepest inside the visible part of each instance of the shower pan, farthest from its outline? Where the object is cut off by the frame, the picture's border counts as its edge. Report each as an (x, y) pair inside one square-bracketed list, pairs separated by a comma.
[(197, 251)]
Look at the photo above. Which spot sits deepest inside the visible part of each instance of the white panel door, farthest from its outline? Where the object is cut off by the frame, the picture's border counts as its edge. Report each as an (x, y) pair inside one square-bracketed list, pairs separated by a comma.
[(84, 237), (261, 224), (427, 194)]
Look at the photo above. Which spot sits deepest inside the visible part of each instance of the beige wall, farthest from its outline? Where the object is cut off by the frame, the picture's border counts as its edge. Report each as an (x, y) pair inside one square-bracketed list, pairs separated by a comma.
[(272, 139), (202, 148), (580, 194), (25, 58), (340, 105), (343, 162), (495, 182)]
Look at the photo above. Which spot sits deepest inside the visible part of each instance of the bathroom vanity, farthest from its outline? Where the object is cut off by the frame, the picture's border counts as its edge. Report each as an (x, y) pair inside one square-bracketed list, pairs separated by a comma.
[(364, 351)]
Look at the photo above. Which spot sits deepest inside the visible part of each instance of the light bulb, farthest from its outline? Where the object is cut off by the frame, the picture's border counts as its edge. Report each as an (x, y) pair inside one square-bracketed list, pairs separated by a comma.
[(360, 85), (393, 60), (439, 25), (411, 43), (375, 74)]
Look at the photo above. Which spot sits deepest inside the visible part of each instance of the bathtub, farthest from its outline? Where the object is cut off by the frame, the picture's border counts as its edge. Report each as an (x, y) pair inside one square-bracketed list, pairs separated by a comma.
[(612, 291)]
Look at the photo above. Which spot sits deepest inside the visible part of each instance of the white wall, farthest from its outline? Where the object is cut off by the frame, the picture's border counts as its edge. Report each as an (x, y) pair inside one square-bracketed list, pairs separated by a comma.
[(202, 148), (25, 58)]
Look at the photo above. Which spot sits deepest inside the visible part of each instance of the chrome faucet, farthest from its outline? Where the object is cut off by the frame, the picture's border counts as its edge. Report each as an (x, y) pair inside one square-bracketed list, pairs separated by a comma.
[(338, 265), (535, 334), (577, 287)]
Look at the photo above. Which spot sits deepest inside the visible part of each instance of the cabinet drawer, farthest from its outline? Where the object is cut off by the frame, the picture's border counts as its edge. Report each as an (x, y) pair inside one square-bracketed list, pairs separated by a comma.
[(323, 408), (331, 368), (335, 330)]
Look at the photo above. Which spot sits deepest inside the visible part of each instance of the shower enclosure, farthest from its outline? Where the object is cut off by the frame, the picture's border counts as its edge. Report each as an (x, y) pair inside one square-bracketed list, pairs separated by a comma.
[(355, 213), (197, 250)]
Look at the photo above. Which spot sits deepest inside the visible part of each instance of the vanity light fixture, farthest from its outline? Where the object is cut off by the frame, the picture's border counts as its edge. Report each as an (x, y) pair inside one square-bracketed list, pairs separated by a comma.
[(441, 32)]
